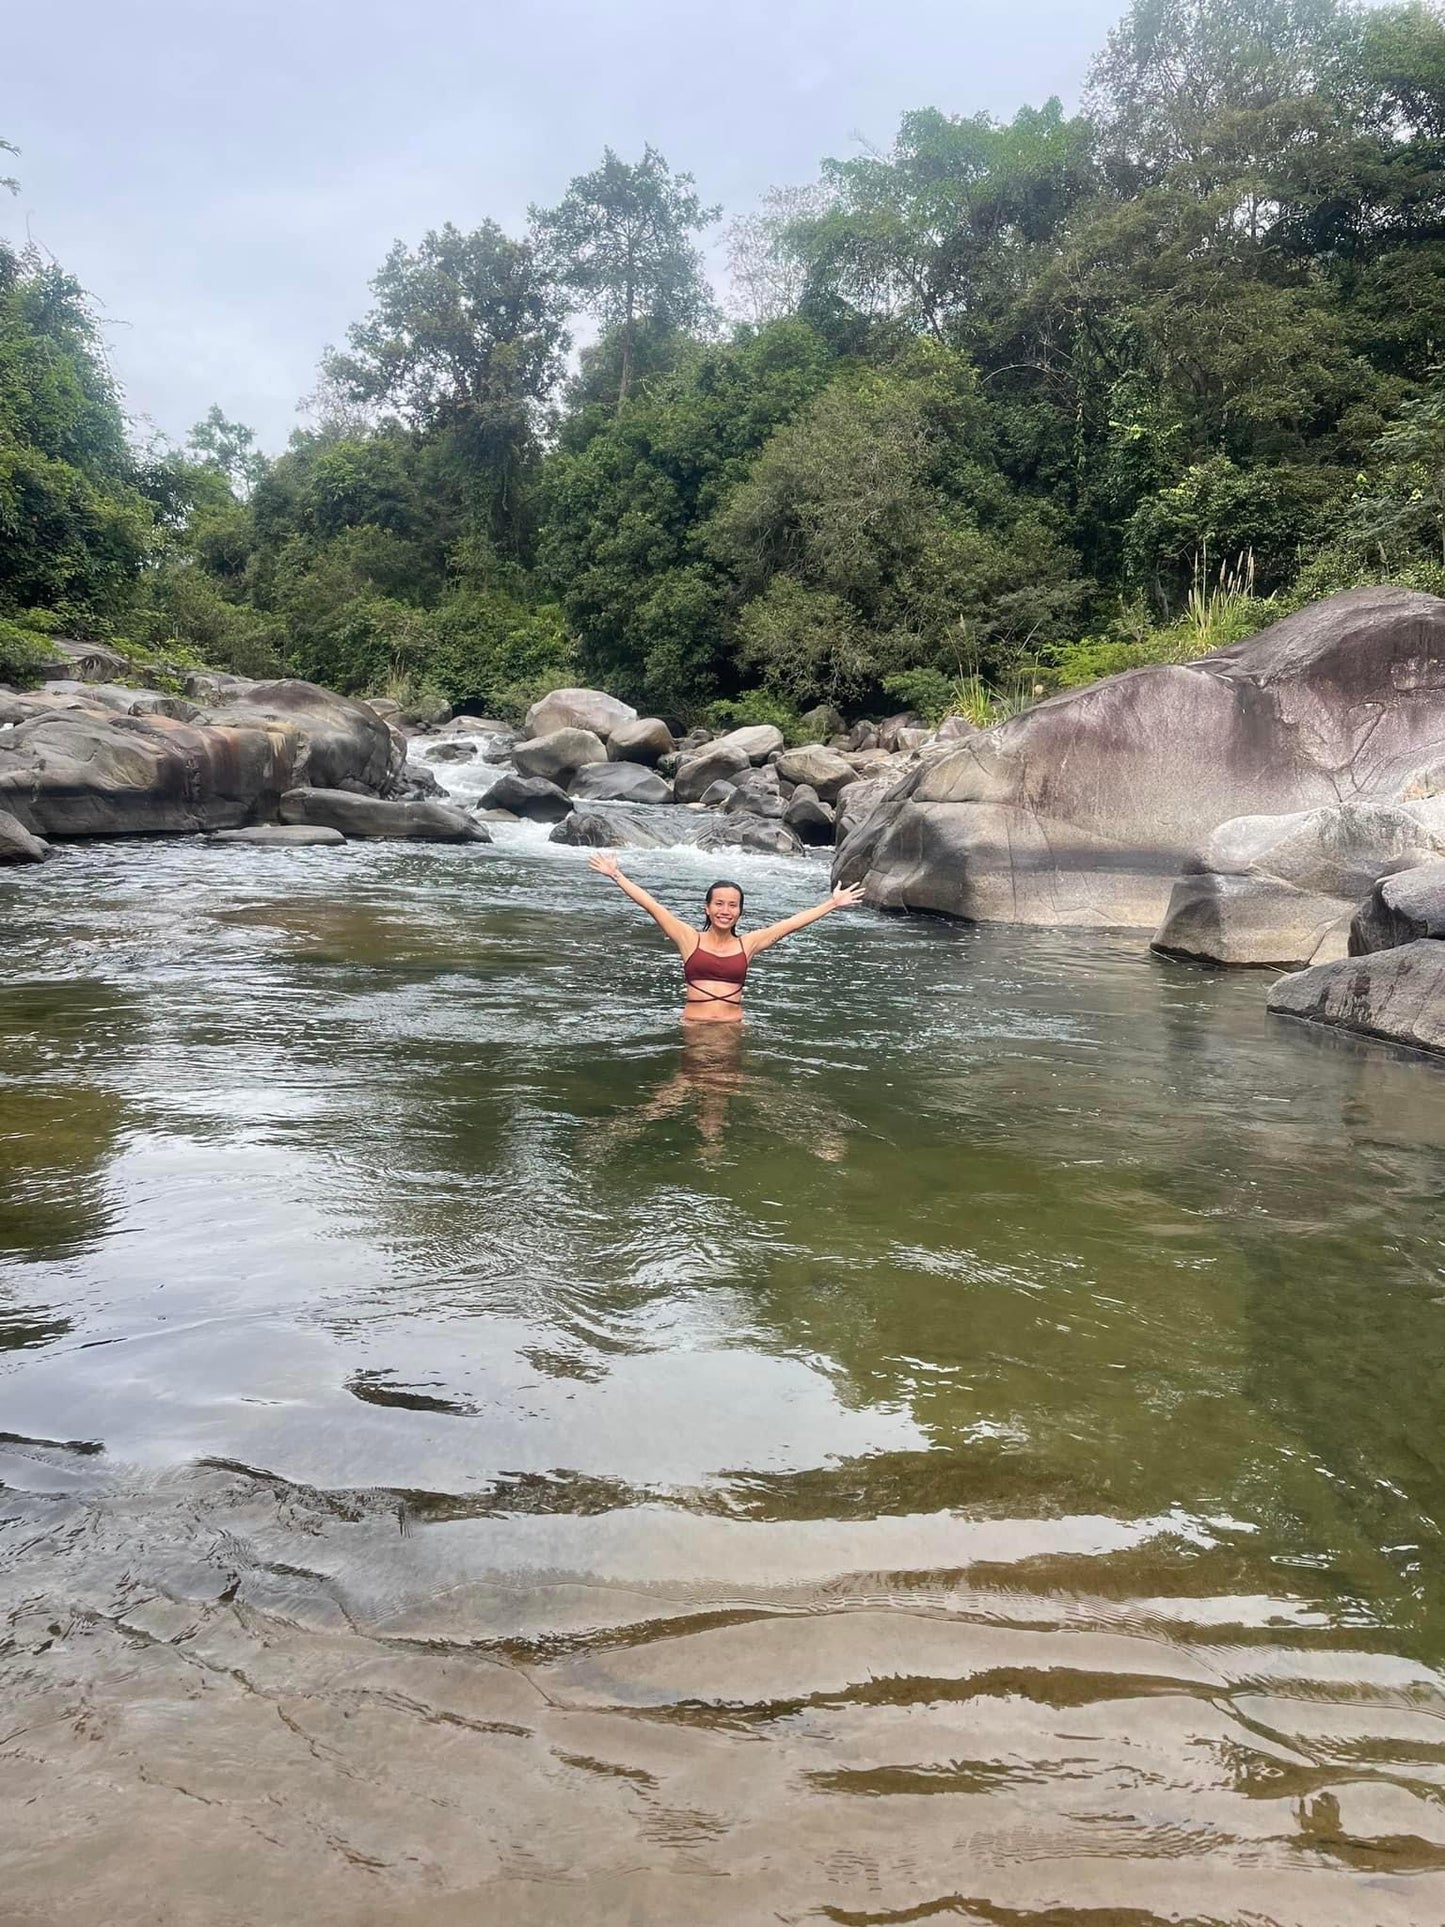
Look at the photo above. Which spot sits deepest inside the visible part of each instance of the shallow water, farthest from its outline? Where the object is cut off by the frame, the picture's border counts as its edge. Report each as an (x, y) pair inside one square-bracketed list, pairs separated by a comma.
[(968, 1447)]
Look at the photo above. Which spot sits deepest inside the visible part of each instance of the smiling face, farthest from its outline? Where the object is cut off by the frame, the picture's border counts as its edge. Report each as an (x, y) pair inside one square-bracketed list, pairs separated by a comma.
[(724, 907)]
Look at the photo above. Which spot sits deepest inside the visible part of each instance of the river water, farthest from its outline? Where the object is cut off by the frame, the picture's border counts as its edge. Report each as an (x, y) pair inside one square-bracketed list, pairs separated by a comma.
[(967, 1448)]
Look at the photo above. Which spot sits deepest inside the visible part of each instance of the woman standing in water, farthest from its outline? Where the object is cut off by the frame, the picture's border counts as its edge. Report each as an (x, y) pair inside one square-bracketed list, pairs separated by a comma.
[(715, 959)]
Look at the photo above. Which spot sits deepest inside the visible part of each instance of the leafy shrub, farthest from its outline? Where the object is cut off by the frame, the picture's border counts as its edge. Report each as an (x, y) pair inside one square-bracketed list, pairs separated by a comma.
[(756, 706), (23, 653)]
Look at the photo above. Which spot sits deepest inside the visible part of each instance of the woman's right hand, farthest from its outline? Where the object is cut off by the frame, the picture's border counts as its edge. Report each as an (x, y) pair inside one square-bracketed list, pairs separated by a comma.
[(605, 863)]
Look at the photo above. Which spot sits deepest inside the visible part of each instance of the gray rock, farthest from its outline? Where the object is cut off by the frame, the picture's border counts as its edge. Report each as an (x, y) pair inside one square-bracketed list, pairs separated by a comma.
[(413, 783), (642, 741), (281, 835), (809, 818), (498, 748), (1083, 810), (858, 802), (1401, 909), (19, 845), (340, 738), (754, 833), (757, 741), (615, 826), (1338, 851), (451, 752), (83, 772), (1395, 994), (697, 772), (389, 711), (1252, 921), (620, 783), (716, 794), (213, 688), (825, 770), (587, 709), (369, 817), (155, 702), (892, 729), (955, 729), (89, 661), (757, 791), (559, 754), (822, 723), (532, 797)]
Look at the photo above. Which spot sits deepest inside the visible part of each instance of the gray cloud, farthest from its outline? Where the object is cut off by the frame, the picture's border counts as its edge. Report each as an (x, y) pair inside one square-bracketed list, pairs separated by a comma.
[(227, 176)]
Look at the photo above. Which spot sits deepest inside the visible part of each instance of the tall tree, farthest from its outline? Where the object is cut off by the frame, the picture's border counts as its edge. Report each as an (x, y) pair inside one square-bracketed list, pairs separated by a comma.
[(767, 270), (619, 241), (465, 343), (229, 449)]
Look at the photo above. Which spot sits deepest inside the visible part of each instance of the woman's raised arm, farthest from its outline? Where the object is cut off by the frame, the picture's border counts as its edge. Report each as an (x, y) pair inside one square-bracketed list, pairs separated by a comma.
[(842, 898), (682, 934)]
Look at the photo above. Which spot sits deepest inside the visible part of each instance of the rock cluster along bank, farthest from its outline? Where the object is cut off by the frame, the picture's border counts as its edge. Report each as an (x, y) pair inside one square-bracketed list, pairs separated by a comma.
[(74, 762), (606, 777), (289, 764), (1243, 807)]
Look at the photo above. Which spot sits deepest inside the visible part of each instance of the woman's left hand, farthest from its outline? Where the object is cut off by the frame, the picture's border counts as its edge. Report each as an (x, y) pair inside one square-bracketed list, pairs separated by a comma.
[(846, 896)]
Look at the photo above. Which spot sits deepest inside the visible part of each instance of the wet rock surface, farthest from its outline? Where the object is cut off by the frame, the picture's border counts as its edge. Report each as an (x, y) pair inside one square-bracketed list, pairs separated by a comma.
[(1400, 909), (1396, 994), (19, 845), (620, 783), (372, 817)]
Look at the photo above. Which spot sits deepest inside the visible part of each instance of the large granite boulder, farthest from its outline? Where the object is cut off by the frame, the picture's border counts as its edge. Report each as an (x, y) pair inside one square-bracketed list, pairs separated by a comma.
[(532, 797), (19, 845), (715, 762), (759, 834), (1083, 810), (808, 818), (559, 754), (616, 826), (1282, 889), (451, 750), (586, 709), (340, 738), (827, 771), (620, 783), (84, 772), (757, 741), (1396, 994), (372, 818), (644, 741), (1401, 909), (1252, 921)]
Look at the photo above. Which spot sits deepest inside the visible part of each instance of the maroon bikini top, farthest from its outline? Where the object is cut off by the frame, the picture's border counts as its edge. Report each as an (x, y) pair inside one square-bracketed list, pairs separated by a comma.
[(730, 968)]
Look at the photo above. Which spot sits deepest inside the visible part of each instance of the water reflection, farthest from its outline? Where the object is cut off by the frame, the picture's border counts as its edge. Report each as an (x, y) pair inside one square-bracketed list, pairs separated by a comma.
[(714, 1076), (61, 1120)]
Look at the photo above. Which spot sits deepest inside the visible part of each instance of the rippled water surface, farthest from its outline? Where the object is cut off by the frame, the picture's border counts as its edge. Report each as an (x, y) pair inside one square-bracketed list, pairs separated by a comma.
[(969, 1447)]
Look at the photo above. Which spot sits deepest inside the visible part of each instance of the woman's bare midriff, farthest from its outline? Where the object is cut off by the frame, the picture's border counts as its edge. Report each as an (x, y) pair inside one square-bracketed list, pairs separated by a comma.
[(725, 1010)]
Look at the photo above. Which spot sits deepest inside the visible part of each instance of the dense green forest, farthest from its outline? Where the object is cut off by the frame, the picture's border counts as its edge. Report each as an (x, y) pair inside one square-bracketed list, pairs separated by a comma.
[(1008, 406)]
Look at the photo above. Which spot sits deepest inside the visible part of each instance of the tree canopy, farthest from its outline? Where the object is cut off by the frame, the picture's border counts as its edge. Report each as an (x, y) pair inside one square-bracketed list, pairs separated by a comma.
[(1010, 403)]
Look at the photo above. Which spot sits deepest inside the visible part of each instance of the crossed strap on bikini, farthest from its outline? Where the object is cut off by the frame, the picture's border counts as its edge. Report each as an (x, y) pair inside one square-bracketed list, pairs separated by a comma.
[(707, 963)]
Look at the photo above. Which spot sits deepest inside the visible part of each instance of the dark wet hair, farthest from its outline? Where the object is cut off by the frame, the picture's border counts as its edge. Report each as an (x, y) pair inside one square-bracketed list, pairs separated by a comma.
[(723, 883)]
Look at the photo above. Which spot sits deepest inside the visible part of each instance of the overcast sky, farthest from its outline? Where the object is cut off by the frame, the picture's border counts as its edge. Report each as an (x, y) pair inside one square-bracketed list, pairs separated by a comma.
[(226, 177)]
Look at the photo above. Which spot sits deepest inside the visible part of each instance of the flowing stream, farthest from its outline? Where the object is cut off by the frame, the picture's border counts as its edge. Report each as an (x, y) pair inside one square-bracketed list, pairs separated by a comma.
[(968, 1447)]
